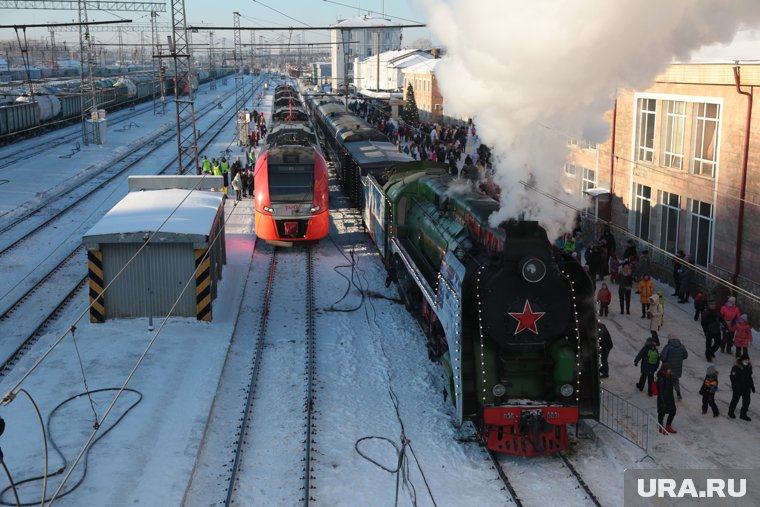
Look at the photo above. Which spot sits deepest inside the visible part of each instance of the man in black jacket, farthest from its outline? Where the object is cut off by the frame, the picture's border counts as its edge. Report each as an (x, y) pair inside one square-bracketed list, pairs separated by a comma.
[(741, 384), (711, 327)]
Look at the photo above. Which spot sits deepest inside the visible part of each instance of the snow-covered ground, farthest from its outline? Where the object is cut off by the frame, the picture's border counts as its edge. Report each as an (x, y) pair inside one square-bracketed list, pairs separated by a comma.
[(374, 383)]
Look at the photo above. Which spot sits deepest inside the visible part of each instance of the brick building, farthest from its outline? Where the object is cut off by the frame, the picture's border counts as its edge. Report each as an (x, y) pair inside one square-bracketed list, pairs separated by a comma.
[(426, 93), (678, 168)]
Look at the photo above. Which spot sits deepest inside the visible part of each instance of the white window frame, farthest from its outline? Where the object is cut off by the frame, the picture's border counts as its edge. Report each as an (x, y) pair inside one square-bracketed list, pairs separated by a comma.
[(700, 120), (694, 244), (664, 223), (638, 211), (588, 182), (674, 133), (644, 130)]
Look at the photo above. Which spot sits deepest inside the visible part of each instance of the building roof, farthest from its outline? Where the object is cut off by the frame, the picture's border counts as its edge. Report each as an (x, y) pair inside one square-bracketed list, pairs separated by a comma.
[(188, 216), (363, 21), (423, 67), (399, 58)]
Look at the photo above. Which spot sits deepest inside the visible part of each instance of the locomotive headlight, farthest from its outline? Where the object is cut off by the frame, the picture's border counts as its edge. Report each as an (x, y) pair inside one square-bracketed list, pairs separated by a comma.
[(532, 269), (268, 209), (566, 390), (499, 390), (314, 208)]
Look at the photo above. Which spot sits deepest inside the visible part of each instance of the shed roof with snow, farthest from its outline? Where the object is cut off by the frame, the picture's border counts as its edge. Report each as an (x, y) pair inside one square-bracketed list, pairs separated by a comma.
[(179, 216)]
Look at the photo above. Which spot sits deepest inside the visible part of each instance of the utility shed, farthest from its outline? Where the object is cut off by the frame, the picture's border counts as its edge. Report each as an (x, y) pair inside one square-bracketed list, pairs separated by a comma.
[(179, 235)]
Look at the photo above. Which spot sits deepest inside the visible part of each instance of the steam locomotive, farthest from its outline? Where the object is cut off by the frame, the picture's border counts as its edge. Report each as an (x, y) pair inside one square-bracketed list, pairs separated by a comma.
[(511, 320), (290, 177)]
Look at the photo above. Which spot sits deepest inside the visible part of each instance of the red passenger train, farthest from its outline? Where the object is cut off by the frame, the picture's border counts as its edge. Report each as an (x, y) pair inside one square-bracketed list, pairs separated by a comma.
[(290, 177)]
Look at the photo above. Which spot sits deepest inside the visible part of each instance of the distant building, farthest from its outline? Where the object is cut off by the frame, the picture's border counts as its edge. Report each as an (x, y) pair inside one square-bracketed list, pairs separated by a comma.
[(677, 167), (392, 64), (321, 72), (426, 93), (350, 42)]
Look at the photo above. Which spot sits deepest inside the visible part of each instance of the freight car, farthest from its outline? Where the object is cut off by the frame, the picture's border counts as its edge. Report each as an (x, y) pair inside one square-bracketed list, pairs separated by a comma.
[(290, 177), (511, 320), (25, 116)]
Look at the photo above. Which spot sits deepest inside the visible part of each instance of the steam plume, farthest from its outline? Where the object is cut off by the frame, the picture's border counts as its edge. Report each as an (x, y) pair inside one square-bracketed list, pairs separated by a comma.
[(532, 72)]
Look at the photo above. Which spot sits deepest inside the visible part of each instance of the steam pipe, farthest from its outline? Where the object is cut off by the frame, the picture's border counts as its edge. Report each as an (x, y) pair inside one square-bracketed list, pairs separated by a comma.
[(745, 157)]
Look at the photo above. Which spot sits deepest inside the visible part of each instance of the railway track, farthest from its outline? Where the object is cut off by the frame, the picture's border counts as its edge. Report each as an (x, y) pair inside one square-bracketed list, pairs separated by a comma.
[(564, 485), (273, 426), (34, 218), (11, 155), (40, 292)]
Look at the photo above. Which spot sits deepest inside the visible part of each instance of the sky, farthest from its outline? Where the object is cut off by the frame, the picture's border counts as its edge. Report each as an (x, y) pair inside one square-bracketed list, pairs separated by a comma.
[(289, 13), (374, 380)]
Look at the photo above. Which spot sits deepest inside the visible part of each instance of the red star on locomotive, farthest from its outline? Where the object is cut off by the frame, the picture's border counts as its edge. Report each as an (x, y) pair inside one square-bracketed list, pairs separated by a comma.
[(527, 319)]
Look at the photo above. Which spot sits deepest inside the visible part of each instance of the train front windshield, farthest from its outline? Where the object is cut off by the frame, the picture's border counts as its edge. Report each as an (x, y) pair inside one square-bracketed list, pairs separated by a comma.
[(291, 183)]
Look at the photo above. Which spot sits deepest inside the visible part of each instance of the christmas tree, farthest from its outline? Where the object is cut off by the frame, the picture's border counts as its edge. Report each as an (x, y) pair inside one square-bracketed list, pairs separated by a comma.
[(410, 114)]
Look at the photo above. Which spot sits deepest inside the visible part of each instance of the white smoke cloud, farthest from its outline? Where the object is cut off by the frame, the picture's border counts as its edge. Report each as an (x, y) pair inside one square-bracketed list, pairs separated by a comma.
[(532, 72)]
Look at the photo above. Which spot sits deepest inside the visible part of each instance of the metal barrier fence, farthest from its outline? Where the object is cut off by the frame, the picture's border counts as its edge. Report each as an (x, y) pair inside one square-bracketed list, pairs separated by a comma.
[(639, 427), (625, 419)]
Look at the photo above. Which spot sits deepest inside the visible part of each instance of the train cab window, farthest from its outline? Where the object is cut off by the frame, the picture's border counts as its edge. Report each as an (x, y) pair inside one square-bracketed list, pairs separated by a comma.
[(291, 183)]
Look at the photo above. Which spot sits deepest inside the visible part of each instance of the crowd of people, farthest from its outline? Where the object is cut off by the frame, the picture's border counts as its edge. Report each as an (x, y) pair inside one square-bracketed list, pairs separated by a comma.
[(725, 327)]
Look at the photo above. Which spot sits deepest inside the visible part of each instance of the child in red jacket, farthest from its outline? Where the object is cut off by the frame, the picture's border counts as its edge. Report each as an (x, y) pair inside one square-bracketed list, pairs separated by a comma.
[(604, 298)]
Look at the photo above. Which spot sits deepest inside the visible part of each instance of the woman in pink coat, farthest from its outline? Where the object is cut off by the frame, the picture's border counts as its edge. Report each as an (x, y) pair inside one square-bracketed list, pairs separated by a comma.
[(743, 336)]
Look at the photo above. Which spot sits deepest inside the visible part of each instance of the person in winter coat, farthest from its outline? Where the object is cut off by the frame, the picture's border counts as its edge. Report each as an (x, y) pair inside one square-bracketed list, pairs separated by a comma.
[(656, 312), (700, 303), (742, 335), (676, 277), (729, 314), (741, 384), (711, 328), (684, 276), (649, 358), (708, 389), (643, 266), (614, 269), (625, 288), (630, 250), (237, 185), (604, 298), (666, 404), (605, 345), (646, 290), (674, 354)]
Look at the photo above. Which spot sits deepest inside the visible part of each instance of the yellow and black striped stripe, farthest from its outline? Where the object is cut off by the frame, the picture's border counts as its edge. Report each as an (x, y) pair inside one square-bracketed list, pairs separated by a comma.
[(95, 276), (202, 285)]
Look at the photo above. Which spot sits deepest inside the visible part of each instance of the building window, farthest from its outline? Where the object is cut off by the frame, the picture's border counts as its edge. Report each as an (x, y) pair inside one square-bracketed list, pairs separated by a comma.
[(675, 120), (642, 211), (645, 132), (706, 139), (670, 207), (589, 179), (701, 232), (571, 170)]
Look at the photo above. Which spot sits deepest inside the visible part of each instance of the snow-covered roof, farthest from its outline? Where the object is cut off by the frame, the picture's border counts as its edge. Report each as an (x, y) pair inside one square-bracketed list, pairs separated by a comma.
[(399, 57), (423, 67), (363, 21), (190, 216)]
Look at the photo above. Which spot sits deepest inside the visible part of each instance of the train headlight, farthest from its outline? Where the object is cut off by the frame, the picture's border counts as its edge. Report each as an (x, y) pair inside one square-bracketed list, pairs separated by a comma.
[(566, 390), (499, 390), (315, 208), (268, 209), (532, 269)]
